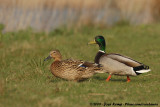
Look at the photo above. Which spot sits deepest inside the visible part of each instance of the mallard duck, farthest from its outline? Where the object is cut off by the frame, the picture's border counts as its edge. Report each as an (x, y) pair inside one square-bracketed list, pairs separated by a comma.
[(70, 69), (116, 64)]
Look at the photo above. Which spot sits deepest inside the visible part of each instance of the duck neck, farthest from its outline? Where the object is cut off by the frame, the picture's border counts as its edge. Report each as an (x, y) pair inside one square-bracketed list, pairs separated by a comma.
[(58, 59), (100, 53), (98, 56), (102, 48)]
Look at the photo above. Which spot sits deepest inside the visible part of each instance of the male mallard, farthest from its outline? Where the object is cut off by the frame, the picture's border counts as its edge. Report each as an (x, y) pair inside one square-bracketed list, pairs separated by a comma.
[(116, 64), (71, 69)]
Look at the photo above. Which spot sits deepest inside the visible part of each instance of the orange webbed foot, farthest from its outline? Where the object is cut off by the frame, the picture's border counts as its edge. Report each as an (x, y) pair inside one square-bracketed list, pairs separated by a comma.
[(108, 78), (128, 79)]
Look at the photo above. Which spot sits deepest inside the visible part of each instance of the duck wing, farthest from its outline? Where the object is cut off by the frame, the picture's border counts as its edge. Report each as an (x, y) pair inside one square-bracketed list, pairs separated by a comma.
[(116, 63), (123, 59), (73, 64), (80, 65), (81, 69)]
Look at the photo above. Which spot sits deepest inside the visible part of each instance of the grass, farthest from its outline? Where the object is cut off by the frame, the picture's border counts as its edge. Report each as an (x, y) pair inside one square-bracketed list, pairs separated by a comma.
[(25, 80)]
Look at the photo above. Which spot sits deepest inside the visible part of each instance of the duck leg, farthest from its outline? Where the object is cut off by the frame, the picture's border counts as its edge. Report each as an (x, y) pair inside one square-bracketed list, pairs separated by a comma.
[(128, 79), (108, 78)]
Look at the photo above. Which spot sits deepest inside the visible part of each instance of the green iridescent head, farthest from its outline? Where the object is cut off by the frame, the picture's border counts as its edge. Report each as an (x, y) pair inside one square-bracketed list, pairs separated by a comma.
[(100, 41)]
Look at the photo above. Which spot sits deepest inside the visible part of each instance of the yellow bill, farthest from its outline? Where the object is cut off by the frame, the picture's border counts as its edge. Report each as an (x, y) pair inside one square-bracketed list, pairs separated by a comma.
[(92, 42)]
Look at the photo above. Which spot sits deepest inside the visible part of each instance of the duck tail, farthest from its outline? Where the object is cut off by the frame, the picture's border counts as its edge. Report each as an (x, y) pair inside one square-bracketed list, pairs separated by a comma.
[(141, 69)]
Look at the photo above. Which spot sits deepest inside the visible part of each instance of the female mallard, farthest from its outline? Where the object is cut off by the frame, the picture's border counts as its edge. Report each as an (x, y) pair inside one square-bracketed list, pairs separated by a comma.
[(71, 69), (116, 64)]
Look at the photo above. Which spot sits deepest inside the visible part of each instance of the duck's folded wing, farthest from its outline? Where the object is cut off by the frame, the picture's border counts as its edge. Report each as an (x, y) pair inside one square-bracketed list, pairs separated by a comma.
[(124, 59), (80, 65), (90, 64), (72, 63)]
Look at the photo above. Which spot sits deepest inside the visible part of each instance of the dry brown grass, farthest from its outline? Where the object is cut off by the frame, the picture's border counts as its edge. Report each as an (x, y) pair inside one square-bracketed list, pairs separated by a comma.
[(54, 3), (135, 8), (1, 87), (75, 12)]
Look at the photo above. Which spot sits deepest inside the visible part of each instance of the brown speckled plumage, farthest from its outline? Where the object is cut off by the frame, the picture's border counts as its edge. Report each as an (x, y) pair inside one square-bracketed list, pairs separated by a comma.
[(70, 69)]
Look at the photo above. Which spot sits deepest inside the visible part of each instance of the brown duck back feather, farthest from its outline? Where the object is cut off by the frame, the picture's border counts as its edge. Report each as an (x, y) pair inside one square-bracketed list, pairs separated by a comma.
[(73, 69)]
